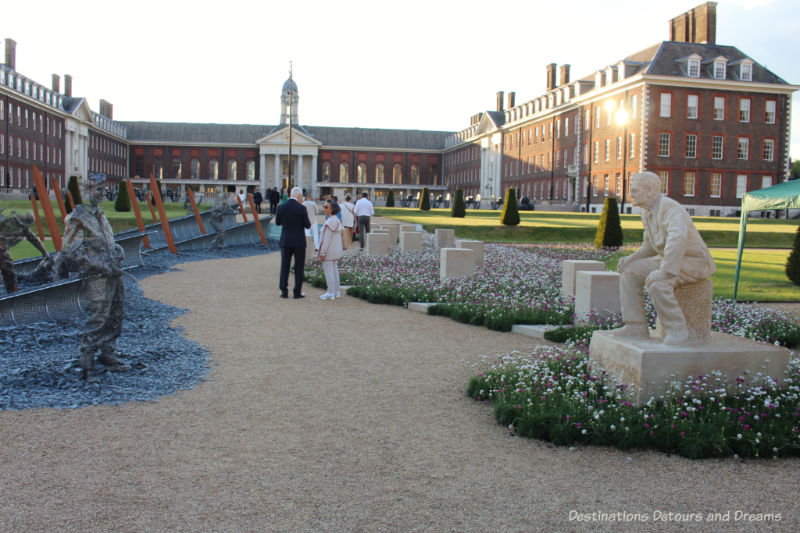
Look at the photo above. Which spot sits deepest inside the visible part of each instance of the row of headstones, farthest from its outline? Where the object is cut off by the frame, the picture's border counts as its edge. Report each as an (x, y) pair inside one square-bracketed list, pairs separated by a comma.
[(458, 257), (597, 290)]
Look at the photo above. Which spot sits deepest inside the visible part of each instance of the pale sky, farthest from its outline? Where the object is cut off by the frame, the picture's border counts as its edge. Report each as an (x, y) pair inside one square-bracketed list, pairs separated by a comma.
[(414, 64)]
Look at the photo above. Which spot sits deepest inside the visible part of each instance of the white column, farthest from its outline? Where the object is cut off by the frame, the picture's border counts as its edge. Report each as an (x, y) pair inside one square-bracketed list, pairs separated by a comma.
[(299, 177), (276, 177), (314, 175), (262, 173)]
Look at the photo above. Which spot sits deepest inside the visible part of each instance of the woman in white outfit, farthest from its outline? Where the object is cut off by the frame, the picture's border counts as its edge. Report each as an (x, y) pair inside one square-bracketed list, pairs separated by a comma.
[(330, 249), (348, 220)]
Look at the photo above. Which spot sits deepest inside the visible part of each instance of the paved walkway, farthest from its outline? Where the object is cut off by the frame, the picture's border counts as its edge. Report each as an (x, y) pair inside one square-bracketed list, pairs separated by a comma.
[(339, 416)]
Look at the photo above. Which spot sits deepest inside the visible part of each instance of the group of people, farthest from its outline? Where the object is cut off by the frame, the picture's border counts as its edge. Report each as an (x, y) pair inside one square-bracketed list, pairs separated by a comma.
[(298, 218)]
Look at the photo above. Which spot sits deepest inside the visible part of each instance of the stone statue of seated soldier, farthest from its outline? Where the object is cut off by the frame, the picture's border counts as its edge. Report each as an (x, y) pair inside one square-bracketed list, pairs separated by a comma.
[(672, 254)]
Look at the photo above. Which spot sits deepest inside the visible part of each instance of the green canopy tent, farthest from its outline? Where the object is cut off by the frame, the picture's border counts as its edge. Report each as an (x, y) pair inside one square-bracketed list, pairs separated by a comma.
[(784, 195)]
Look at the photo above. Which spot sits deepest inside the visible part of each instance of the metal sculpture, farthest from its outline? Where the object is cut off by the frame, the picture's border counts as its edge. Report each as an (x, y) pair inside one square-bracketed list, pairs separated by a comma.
[(14, 228)]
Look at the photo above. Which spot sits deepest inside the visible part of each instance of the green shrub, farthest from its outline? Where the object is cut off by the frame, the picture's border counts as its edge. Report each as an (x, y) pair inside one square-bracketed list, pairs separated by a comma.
[(510, 214), (609, 229), (390, 199), (75, 190), (425, 200), (459, 208), (123, 202), (793, 262)]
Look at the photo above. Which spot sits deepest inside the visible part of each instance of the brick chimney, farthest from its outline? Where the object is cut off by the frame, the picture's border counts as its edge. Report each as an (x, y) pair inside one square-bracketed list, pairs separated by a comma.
[(511, 97), (698, 25), (56, 83), (11, 54), (67, 85), (499, 100), (551, 76), (106, 109), (564, 75)]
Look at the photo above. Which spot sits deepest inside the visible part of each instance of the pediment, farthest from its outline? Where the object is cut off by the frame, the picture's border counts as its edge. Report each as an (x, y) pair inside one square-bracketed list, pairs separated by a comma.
[(486, 125), (82, 112), (280, 137)]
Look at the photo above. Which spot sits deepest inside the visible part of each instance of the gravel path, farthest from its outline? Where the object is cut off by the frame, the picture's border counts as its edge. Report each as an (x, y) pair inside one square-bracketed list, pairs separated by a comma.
[(342, 416)]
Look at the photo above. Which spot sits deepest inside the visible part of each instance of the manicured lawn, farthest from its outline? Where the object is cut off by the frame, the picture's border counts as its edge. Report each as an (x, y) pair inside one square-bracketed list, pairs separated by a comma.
[(118, 221), (554, 227)]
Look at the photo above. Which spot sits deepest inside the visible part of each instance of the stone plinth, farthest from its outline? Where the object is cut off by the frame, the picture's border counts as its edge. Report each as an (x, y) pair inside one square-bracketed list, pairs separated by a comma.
[(410, 240), (420, 307), (647, 364), (445, 238), (570, 268), (408, 227), (695, 301), (309, 245), (596, 290), (472, 245), (533, 330), (456, 262), (377, 243)]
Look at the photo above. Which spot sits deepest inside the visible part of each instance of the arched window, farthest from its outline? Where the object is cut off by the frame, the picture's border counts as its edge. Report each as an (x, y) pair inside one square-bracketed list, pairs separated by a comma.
[(326, 171), (397, 173), (176, 167), (434, 175), (379, 173), (362, 172), (251, 169), (344, 172), (213, 169), (138, 165), (415, 174), (195, 164), (158, 168), (231, 169)]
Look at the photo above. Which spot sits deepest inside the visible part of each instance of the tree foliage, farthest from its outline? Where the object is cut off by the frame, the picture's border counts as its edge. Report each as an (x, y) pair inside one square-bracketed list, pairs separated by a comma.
[(459, 208), (390, 199), (609, 228), (793, 262), (794, 173), (123, 202), (425, 200), (75, 190), (510, 214)]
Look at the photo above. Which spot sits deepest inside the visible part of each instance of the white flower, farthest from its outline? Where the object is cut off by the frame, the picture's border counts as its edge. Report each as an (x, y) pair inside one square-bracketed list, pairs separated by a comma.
[(739, 436)]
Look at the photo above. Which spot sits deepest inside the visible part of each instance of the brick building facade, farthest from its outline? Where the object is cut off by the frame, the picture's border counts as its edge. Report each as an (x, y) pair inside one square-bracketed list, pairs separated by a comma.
[(711, 121)]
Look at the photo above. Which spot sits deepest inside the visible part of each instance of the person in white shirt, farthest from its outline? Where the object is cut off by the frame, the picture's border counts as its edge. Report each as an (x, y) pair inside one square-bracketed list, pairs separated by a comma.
[(311, 206), (363, 211)]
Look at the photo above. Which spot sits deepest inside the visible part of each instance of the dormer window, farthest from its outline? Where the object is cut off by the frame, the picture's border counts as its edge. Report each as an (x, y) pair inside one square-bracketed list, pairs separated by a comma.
[(746, 71), (691, 65), (720, 68), (693, 68)]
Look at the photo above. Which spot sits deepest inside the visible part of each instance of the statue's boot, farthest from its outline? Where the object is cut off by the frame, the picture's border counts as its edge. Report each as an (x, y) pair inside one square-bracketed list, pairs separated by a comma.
[(87, 364), (633, 330), (112, 363)]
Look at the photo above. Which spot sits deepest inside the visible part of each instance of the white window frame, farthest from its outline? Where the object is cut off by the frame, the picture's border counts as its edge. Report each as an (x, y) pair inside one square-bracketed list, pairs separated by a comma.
[(743, 148), (689, 178), (720, 69), (741, 185), (664, 176), (719, 110), (768, 150), (769, 111), (692, 106), (693, 68), (717, 141), (690, 150), (766, 182), (665, 105), (744, 109), (715, 184), (746, 71), (662, 136)]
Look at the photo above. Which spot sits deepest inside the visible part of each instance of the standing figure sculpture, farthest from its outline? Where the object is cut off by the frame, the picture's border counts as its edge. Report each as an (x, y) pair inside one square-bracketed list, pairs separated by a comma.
[(89, 249), (672, 253), (218, 212), (14, 228)]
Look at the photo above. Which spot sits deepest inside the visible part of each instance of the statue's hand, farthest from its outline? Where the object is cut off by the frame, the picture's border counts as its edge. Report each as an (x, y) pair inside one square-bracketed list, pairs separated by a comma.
[(656, 275), (623, 261)]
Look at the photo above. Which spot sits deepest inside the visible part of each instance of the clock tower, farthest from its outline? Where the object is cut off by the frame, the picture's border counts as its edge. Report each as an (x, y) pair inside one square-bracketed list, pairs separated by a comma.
[(289, 100)]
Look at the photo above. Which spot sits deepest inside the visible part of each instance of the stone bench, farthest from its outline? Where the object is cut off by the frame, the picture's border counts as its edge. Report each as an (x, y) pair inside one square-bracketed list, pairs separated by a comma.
[(570, 268), (597, 291), (456, 262), (410, 240), (477, 246), (445, 238)]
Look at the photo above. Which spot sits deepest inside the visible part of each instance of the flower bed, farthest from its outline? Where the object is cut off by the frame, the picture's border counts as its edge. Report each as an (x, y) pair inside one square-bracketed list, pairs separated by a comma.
[(551, 394)]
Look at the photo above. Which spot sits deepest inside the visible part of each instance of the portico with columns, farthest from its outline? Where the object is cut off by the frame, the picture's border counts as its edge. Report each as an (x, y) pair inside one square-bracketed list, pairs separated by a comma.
[(273, 150)]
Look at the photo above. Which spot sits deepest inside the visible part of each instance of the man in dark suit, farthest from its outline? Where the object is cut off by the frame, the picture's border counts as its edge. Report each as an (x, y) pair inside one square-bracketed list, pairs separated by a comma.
[(293, 217)]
